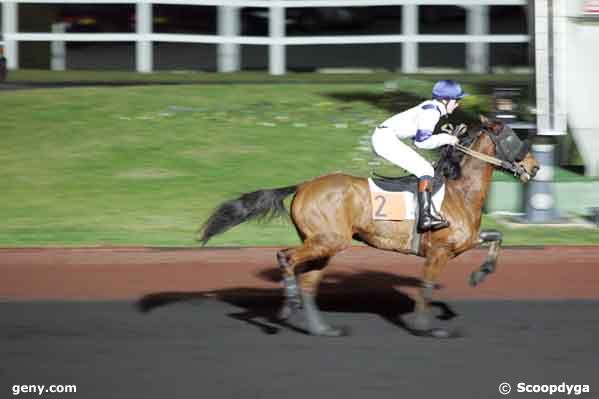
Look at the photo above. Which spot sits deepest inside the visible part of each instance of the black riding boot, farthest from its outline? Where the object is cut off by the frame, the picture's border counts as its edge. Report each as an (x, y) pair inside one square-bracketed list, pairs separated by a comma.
[(427, 220)]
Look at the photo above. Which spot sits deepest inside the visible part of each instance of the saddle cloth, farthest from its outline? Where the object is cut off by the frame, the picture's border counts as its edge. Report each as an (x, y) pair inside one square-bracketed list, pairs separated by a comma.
[(398, 201)]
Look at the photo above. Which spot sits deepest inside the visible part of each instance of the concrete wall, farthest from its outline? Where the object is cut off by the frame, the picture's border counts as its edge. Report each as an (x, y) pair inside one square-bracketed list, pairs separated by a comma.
[(582, 77)]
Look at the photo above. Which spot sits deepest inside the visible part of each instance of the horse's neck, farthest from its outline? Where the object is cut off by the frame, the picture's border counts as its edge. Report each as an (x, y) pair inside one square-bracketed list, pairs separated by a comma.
[(475, 182)]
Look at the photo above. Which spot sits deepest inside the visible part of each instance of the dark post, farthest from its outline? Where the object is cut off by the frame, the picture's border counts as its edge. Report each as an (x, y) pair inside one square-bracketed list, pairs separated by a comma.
[(2, 65)]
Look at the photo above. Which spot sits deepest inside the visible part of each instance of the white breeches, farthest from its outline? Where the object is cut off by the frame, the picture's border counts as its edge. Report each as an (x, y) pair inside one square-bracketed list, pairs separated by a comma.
[(388, 146)]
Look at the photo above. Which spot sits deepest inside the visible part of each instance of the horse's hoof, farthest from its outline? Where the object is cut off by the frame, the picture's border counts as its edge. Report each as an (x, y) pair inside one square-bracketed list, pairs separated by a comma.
[(439, 333), (442, 333), (477, 277), (419, 321), (287, 311), (331, 332)]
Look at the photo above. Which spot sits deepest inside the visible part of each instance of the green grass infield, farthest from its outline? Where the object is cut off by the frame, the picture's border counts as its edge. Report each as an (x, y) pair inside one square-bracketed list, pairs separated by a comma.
[(145, 165)]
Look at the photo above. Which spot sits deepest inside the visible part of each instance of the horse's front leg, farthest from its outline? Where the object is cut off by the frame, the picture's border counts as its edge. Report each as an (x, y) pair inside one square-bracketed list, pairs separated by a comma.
[(421, 321), (494, 238)]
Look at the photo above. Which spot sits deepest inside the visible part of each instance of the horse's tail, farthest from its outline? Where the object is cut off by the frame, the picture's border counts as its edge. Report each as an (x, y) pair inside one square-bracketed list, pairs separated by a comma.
[(259, 204)]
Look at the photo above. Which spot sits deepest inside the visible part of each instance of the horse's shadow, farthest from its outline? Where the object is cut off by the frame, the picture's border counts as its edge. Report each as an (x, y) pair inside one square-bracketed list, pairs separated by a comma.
[(363, 292)]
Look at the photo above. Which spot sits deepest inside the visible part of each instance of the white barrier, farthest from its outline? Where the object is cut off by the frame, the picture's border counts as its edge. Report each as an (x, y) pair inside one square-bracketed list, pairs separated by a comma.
[(580, 79), (228, 37)]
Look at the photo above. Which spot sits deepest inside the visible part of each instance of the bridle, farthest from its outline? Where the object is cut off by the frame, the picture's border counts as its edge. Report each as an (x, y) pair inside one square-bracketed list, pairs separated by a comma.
[(509, 148)]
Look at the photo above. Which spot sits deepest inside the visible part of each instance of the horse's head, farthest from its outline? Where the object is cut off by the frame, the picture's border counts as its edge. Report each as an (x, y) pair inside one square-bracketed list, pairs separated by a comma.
[(514, 154)]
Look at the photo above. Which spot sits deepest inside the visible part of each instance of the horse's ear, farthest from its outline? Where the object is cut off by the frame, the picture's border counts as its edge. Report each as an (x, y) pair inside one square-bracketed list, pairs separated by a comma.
[(483, 119)]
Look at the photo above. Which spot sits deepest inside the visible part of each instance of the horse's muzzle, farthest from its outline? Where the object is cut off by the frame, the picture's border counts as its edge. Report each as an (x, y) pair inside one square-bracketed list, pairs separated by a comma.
[(522, 173)]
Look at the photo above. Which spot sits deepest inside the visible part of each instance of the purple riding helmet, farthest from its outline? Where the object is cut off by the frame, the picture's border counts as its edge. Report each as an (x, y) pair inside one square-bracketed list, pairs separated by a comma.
[(448, 90)]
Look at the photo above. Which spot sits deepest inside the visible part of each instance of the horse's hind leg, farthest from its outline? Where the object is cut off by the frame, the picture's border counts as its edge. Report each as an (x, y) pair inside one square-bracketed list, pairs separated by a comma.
[(293, 301), (313, 255), (315, 323)]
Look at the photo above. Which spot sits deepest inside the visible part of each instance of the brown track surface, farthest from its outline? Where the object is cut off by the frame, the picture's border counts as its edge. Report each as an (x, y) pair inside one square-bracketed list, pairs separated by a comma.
[(535, 273)]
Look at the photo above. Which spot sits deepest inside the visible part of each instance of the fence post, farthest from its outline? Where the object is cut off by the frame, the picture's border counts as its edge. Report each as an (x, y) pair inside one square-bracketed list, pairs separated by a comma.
[(409, 56), (143, 44), (58, 52), (10, 24), (276, 50), (477, 54), (228, 25)]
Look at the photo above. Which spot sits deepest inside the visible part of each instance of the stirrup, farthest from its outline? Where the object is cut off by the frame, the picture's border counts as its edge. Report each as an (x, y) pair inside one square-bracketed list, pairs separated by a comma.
[(431, 223), (432, 227), (436, 215)]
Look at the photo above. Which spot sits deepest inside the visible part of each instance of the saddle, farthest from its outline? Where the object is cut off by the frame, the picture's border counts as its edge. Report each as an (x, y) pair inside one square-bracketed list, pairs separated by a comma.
[(395, 198), (404, 183)]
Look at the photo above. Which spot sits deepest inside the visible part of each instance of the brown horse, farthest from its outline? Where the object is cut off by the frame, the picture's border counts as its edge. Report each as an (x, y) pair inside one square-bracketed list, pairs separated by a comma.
[(329, 211)]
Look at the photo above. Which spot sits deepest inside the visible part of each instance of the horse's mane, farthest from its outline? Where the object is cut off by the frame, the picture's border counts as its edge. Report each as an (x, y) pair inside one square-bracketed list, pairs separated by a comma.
[(449, 163)]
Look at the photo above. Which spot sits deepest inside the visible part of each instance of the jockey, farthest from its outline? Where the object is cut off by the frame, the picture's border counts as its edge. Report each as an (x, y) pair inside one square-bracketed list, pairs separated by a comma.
[(418, 123)]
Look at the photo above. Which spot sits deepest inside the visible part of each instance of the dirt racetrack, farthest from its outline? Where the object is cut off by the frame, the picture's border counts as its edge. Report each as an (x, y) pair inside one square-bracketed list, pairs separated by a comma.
[(526, 273), (186, 323)]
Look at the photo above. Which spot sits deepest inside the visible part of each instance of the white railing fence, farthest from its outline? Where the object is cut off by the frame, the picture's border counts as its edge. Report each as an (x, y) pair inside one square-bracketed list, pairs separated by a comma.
[(228, 37)]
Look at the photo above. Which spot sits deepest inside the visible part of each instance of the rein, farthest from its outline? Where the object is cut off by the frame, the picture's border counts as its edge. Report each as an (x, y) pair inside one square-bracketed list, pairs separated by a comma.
[(483, 157), (489, 159), (514, 168)]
